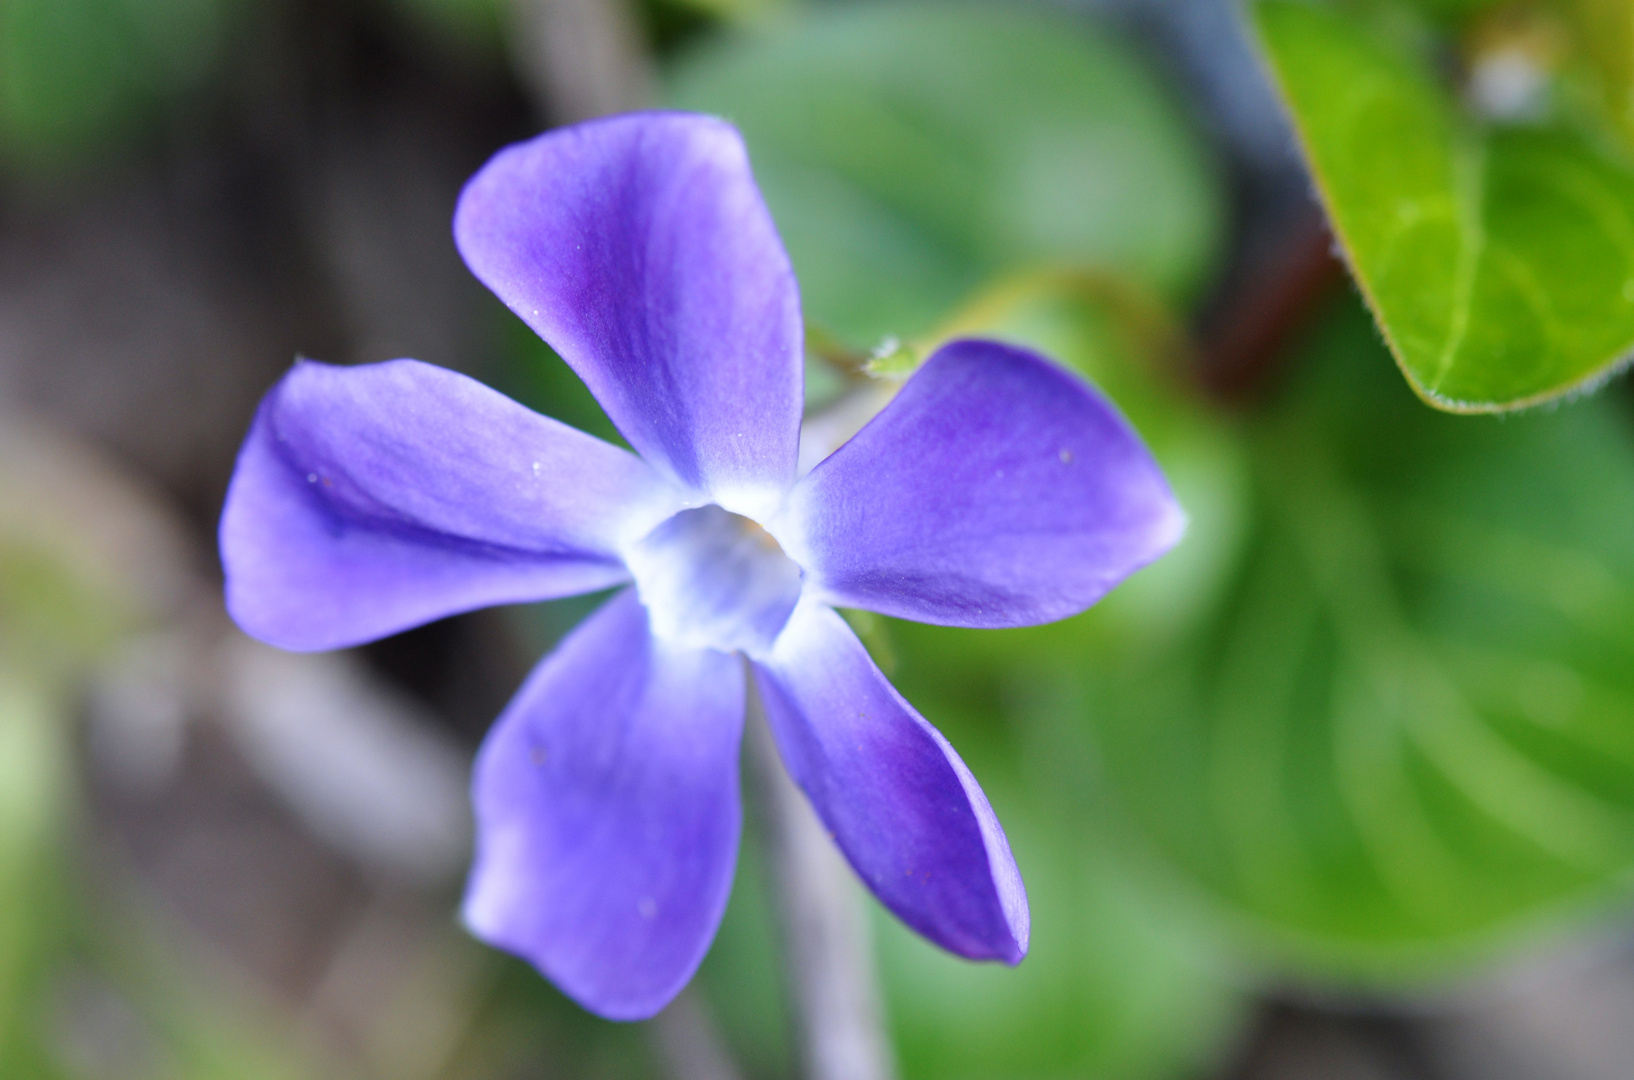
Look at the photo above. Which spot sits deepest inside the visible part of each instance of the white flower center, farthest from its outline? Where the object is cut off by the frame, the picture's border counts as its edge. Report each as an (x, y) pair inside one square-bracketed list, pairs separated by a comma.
[(714, 579)]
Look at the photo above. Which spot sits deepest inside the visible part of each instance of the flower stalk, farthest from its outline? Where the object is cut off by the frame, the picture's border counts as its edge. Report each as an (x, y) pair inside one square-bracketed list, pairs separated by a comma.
[(827, 950)]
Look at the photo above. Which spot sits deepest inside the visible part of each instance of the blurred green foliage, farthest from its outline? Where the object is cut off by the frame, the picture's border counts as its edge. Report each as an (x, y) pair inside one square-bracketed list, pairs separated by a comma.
[(1603, 33), (1496, 251), (34, 920), (78, 74), (741, 12), (910, 152), (72, 589), (56, 613), (1408, 730), (52, 620), (471, 26), (1391, 726)]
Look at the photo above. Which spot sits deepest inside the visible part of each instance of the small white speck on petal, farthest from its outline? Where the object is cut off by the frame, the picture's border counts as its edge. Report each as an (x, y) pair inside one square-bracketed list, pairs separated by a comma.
[(312, 478)]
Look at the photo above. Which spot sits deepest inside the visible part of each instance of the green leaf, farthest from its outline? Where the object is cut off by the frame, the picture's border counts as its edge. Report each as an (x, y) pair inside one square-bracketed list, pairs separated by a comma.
[(1499, 262), (911, 152), (1410, 732)]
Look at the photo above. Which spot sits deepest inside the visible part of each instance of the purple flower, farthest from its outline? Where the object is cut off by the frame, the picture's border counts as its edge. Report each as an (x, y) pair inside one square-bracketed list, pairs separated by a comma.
[(995, 490)]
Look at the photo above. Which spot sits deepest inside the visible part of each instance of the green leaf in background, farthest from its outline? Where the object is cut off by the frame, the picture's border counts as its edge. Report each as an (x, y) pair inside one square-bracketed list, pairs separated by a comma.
[(74, 74), (34, 919), (1604, 30), (1410, 733), (1499, 262), (910, 152)]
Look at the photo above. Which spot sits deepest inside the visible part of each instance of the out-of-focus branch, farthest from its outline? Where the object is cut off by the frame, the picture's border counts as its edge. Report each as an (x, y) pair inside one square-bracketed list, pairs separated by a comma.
[(582, 58), (1247, 336), (827, 949), (686, 1039)]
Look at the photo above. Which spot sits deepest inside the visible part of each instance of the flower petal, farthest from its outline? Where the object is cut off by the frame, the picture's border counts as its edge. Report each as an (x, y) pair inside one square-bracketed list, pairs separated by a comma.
[(608, 813), (639, 248), (899, 802), (996, 489), (371, 499)]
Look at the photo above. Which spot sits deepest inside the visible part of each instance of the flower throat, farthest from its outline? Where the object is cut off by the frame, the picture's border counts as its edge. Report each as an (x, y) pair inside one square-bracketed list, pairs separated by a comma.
[(714, 579)]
